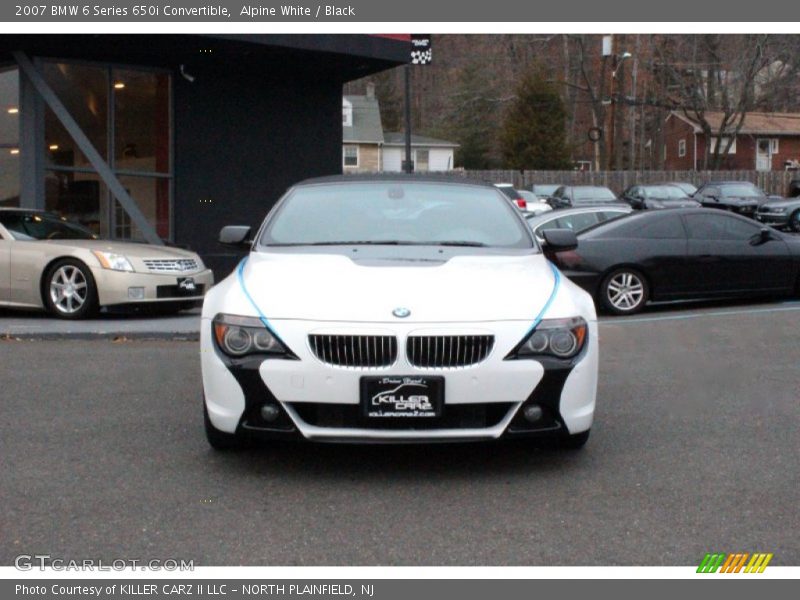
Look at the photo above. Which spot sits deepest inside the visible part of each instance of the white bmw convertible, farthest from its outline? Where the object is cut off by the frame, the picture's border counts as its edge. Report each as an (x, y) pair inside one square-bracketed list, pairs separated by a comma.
[(397, 309)]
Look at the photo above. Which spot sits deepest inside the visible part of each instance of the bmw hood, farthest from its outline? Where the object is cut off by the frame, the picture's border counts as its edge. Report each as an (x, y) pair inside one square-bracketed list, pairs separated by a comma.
[(332, 287)]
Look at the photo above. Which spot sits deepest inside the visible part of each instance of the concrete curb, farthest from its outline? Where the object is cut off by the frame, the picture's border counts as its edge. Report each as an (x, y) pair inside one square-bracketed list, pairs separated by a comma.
[(113, 336)]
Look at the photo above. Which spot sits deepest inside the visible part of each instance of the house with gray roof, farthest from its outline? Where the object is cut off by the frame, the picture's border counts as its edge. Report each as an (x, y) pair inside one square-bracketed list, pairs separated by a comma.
[(366, 148)]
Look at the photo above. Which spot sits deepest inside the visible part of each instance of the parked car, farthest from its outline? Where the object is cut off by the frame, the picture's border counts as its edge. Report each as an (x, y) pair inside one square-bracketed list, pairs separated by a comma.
[(681, 254), (741, 197), (544, 190), (446, 317), (783, 213), (688, 188), (48, 262), (581, 195), (575, 219), (643, 197), (513, 194), (534, 206)]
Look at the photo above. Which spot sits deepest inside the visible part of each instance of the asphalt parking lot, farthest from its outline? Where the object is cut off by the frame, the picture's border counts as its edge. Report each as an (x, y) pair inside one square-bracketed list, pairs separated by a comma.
[(695, 449)]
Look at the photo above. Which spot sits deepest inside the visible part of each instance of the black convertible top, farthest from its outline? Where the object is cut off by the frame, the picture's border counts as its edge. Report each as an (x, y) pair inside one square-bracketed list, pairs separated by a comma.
[(396, 177)]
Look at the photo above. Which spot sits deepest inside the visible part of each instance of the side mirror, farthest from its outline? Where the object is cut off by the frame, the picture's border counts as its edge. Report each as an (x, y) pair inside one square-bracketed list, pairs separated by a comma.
[(235, 235), (559, 240), (762, 237)]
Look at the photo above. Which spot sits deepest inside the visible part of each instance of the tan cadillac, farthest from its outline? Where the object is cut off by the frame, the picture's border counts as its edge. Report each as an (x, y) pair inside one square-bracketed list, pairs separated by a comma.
[(51, 263)]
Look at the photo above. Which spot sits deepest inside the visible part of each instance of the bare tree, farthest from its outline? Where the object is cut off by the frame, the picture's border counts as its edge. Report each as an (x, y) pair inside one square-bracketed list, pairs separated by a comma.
[(716, 74)]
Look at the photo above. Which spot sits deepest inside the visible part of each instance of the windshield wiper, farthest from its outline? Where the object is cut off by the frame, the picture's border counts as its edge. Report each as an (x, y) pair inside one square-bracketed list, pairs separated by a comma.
[(387, 243), (351, 243), (465, 243)]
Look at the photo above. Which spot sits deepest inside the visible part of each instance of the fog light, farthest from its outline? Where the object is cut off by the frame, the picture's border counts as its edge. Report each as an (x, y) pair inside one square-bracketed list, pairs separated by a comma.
[(532, 413), (136, 293), (270, 412)]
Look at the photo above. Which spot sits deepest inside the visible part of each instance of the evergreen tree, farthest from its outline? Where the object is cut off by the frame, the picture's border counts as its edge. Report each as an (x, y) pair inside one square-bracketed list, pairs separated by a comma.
[(533, 131), (470, 119)]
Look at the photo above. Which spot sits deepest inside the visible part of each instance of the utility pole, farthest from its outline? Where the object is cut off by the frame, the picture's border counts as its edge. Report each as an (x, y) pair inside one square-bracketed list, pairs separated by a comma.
[(408, 165)]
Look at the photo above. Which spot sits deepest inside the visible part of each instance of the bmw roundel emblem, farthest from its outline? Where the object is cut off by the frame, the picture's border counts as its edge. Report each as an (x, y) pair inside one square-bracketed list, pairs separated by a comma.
[(401, 313)]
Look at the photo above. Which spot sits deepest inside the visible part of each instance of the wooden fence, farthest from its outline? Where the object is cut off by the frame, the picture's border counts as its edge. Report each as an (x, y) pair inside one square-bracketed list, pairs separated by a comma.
[(772, 182)]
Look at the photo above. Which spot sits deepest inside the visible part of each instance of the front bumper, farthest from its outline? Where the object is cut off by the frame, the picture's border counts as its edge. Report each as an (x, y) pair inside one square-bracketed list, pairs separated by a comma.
[(114, 287), (776, 220), (321, 402)]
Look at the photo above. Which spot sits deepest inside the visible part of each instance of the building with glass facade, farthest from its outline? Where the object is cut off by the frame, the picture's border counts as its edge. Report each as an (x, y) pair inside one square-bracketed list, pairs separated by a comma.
[(169, 137)]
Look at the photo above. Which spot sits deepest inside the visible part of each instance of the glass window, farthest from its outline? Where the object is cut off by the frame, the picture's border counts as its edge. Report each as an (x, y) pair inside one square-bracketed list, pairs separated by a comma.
[(576, 223), (607, 215), (151, 195), (741, 190), (595, 194), (720, 227), (141, 121), (84, 92), (422, 160), (723, 143), (350, 154), (80, 197), (681, 148), (652, 227), (396, 213), (9, 137), (135, 106), (710, 192), (42, 226)]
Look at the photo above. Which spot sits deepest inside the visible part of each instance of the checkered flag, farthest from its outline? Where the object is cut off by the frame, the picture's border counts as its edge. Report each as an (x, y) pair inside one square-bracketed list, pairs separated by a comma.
[(421, 51)]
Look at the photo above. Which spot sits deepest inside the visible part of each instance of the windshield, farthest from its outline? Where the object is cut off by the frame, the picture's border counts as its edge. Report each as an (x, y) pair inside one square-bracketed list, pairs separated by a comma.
[(665, 192), (508, 191), (396, 213), (545, 190), (43, 226), (592, 193), (741, 190)]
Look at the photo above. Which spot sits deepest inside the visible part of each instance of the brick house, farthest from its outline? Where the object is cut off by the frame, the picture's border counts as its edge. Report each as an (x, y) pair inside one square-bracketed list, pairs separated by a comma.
[(766, 142)]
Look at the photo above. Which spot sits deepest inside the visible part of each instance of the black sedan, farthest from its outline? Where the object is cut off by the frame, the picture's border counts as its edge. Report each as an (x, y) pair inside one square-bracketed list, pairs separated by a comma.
[(735, 196), (681, 254), (643, 197), (581, 195)]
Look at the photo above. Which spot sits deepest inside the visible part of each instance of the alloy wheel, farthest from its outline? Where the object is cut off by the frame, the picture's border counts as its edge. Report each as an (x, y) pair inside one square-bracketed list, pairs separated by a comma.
[(68, 289), (625, 291)]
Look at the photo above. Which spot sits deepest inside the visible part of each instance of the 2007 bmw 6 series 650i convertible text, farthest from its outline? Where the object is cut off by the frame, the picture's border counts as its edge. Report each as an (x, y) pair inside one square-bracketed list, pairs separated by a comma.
[(397, 309)]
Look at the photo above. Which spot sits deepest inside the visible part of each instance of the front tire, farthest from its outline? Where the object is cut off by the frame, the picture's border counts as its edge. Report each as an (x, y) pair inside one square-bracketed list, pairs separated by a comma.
[(794, 221), (575, 441), (624, 291), (69, 290), (220, 440)]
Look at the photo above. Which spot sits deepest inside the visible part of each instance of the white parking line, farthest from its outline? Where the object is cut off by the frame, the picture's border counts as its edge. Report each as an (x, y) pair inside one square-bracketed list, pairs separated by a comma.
[(782, 307)]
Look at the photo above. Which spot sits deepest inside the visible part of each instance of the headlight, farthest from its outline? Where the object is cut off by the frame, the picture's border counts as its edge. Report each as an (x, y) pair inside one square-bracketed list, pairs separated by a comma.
[(778, 211), (560, 338), (239, 336), (115, 262)]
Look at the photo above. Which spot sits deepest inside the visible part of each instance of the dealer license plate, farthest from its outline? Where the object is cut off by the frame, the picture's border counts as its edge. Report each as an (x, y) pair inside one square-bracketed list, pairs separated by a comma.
[(402, 396)]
